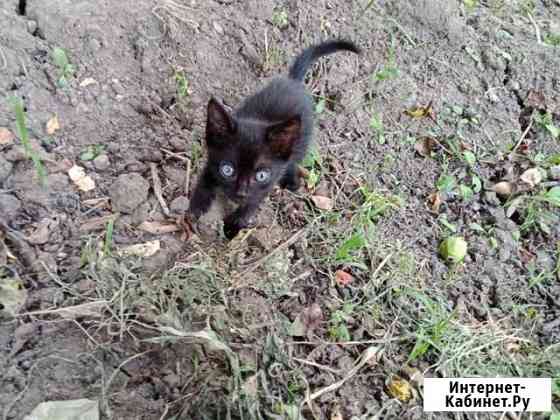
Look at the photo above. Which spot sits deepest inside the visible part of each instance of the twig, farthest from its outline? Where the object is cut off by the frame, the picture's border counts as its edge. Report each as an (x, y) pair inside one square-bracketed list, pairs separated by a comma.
[(97, 222), (366, 356), (157, 189), (4, 59), (279, 248), (175, 155), (380, 266), (317, 365), (537, 30), (523, 135), (188, 177)]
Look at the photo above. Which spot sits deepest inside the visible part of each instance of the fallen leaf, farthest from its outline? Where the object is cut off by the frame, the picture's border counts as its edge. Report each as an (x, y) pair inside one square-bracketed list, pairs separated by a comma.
[(41, 234), (536, 99), (97, 222), (78, 175), (66, 410), (421, 112), (146, 249), (343, 278), (321, 202), (526, 256), (434, 201), (89, 309), (400, 389), (503, 188), (158, 228), (311, 317), (88, 81), (424, 146), (531, 177), (52, 125), (6, 136)]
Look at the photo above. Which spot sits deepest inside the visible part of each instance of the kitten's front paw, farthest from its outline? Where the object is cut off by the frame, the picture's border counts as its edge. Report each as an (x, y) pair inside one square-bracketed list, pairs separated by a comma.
[(232, 226), (291, 184)]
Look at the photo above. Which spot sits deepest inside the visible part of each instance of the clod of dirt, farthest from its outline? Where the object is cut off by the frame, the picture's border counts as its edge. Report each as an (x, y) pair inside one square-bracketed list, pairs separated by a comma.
[(9, 207), (128, 192), (5, 169), (102, 163), (178, 144), (180, 205), (6, 136)]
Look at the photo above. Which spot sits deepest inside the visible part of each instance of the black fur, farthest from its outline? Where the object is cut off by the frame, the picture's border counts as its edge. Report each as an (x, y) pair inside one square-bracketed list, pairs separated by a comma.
[(268, 133)]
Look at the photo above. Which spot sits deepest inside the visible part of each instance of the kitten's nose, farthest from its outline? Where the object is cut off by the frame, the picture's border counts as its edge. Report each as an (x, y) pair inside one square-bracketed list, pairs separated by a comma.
[(241, 194)]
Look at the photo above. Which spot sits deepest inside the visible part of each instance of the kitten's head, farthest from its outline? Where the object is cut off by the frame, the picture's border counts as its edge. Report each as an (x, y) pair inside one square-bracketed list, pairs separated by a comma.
[(248, 157)]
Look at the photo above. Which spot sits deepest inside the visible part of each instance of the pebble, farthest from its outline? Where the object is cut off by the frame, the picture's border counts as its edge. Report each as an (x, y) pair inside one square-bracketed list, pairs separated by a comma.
[(31, 26), (102, 163), (10, 206)]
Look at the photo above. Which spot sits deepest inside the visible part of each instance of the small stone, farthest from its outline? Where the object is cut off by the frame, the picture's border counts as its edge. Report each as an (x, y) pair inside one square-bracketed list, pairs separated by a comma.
[(94, 44), (101, 163), (180, 205), (218, 28), (178, 144), (172, 380), (128, 192), (10, 207), (31, 27), (555, 173), (5, 169), (15, 154)]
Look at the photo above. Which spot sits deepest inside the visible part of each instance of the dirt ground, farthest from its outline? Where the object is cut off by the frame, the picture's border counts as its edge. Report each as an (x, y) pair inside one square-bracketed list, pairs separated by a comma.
[(447, 125)]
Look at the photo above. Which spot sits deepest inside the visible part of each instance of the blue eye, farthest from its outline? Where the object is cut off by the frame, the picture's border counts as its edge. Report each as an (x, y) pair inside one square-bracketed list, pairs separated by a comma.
[(262, 175), (226, 169)]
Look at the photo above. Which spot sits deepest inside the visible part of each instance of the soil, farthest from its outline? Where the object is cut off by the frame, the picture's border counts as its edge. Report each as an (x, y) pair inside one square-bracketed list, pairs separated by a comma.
[(123, 105)]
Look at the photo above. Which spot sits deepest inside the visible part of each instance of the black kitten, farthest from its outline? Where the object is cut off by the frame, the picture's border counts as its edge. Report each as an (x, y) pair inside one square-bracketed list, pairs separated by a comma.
[(261, 143)]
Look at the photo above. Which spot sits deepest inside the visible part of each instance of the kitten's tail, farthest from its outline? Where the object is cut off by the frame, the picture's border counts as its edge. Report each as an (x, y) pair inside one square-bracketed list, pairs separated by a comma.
[(303, 61)]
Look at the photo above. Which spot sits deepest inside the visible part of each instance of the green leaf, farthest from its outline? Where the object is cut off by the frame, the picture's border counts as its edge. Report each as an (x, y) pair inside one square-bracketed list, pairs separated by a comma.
[(466, 192), (450, 226), (59, 57), (476, 184), (469, 156), (355, 243), (446, 183), (553, 130), (553, 196), (88, 155)]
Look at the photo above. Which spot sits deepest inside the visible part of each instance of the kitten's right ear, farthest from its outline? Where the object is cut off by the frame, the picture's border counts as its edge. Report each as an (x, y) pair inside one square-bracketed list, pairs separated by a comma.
[(218, 121)]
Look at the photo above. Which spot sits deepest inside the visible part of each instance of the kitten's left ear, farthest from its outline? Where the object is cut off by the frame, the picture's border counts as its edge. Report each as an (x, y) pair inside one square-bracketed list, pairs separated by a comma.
[(218, 121), (283, 136)]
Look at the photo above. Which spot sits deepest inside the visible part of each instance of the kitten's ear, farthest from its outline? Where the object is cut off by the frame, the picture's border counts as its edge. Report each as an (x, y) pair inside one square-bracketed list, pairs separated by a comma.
[(218, 121), (283, 136)]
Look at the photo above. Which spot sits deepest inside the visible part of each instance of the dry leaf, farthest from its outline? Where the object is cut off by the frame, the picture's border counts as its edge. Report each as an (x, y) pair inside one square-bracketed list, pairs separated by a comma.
[(503, 188), (52, 125), (536, 99), (78, 175), (97, 223), (146, 249), (343, 278), (400, 389), (421, 112), (321, 202), (531, 177), (66, 410), (158, 228), (311, 318), (41, 234), (434, 202), (88, 81), (6, 136), (424, 146)]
